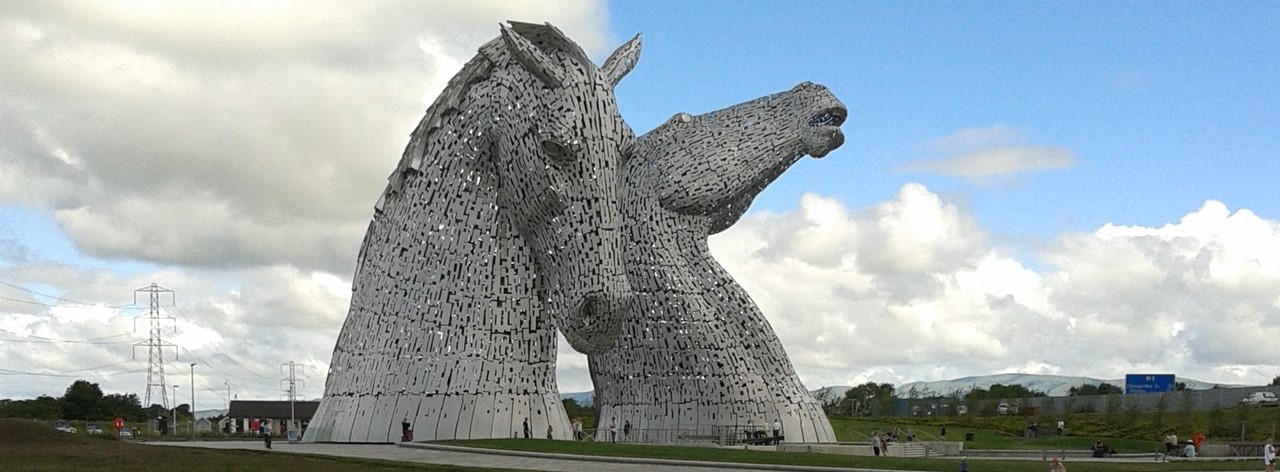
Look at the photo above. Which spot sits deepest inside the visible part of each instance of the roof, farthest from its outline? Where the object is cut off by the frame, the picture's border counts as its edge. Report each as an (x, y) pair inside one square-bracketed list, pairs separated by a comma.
[(271, 409)]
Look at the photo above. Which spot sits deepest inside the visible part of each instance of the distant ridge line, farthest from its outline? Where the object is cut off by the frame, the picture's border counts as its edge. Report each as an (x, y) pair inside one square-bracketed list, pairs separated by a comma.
[(1052, 385)]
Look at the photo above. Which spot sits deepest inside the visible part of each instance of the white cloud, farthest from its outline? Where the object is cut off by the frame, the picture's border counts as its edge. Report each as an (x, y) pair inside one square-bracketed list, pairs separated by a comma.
[(1001, 161), (995, 151), (907, 289), (973, 138), (239, 147), (233, 134), (912, 289), (237, 325)]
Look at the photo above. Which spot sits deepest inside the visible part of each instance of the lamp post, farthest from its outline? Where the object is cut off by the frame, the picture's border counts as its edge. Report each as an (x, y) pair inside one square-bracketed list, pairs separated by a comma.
[(193, 401), (174, 414)]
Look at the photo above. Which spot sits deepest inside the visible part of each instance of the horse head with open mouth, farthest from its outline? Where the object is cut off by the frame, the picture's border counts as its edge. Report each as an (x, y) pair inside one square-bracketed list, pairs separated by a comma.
[(697, 355)]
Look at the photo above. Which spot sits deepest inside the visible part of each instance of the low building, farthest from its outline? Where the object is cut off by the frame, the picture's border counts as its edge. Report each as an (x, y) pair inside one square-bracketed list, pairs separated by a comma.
[(203, 425), (245, 416)]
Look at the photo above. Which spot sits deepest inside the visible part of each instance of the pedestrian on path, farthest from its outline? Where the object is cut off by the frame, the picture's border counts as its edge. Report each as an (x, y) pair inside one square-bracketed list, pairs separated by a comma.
[(1269, 454)]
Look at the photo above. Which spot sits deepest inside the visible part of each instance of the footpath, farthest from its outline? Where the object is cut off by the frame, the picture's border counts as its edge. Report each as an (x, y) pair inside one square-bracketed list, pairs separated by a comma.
[(499, 459)]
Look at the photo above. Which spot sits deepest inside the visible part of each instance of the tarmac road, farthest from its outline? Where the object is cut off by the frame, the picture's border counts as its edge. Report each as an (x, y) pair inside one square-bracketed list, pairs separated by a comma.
[(470, 457), (518, 460)]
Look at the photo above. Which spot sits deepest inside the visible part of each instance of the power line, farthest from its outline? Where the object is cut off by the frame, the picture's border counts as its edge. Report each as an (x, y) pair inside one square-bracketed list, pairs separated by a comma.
[(44, 340), (69, 373), (210, 365), (224, 354), (55, 297)]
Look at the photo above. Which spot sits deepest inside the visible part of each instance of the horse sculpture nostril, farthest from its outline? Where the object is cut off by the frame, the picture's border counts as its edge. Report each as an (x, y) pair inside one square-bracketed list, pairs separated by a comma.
[(597, 322)]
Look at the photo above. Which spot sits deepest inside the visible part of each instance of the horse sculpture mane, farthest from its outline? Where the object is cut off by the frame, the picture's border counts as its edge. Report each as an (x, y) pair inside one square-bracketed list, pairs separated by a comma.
[(476, 70), (497, 226)]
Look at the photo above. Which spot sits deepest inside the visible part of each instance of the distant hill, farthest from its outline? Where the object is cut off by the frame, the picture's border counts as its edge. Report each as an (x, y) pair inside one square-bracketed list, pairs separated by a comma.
[(210, 413), (583, 398), (1053, 385)]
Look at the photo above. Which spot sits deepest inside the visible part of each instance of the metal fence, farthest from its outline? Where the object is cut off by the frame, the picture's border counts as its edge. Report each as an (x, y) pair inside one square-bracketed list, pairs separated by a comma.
[(724, 435), (1185, 400)]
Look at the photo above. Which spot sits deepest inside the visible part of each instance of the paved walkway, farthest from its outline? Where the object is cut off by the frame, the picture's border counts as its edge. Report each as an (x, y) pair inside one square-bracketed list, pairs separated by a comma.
[(491, 458), (514, 460)]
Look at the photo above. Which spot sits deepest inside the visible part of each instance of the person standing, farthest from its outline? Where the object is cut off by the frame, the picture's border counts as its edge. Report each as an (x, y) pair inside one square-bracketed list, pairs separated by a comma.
[(577, 429), (406, 433), (777, 430), (875, 443), (549, 431), (626, 430), (613, 430), (1061, 425), (526, 428), (266, 433), (1269, 454)]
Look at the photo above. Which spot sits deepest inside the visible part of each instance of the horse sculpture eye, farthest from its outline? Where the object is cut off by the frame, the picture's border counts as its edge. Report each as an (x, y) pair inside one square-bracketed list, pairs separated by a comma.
[(557, 150)]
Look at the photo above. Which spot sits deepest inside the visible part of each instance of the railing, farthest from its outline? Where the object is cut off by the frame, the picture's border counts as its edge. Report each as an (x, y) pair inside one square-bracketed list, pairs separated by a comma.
[(718, 435)]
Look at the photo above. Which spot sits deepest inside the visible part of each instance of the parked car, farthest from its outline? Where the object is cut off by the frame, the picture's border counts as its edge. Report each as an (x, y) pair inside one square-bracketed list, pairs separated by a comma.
[(1006, 409), (1261, 399), (126, 433), (64, 426), (92, 428)]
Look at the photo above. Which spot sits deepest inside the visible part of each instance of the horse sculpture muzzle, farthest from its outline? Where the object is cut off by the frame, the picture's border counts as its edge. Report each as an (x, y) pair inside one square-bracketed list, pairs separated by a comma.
[(821, 133)]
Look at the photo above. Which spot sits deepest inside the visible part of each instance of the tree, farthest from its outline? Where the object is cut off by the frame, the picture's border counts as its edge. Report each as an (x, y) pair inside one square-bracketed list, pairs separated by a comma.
[(43, 407), (155, 411), (860, 398), (82, 400), (123, 405), (1162, 405), (1100, 389), (574, 410), (1001, 391)]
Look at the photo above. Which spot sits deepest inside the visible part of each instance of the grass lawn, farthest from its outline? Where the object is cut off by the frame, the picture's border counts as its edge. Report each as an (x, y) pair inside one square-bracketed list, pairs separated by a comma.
[(27, 445), (985, 436), (828, 460)]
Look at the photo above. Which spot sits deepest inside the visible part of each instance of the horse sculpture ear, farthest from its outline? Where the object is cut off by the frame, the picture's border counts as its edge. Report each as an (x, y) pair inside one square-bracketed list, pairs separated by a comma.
[(621, 61), (533, 59)]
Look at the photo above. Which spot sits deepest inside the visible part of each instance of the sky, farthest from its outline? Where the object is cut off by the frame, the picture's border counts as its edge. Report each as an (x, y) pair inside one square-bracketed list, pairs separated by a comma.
[(1070, 188)]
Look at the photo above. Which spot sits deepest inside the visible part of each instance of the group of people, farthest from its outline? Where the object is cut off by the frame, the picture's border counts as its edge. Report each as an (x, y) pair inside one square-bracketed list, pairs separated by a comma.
[(1190, 448), (579, 435), (613, 430), (529, 432), (880, 442)]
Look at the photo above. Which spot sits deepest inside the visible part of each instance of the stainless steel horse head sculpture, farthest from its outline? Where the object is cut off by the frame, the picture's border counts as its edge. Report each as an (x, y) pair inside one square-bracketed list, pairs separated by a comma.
[(499, 225), (696, 355)]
